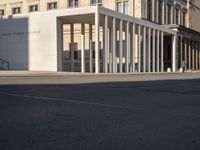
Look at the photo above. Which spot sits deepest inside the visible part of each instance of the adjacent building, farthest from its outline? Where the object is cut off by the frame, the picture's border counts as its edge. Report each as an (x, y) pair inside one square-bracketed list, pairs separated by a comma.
[(100, 36)]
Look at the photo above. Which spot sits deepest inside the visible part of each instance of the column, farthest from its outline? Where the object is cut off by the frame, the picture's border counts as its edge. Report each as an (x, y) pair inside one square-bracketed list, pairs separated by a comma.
[(133, 50), (163, 12), (162, 53), (144, 49), (198, 49), (149, 50), (193, 57), (153, 51), (139, 48), (181, 50), (90, 48), (114, 46), (121, 47), (59, 46), (127, 48), (72, 46), (199, 53), (97, 43), (174, 50), (185, 51), (189, 55), (158, 51), (196, 56), (110, 51), (105, 63), (82, 48)]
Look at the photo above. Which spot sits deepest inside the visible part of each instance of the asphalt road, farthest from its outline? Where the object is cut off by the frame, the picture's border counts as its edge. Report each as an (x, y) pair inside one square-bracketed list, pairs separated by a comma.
[(146, 115)]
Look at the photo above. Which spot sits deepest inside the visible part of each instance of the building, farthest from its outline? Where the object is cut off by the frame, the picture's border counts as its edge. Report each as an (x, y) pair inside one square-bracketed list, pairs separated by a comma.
[(99, 36), (194, 13)]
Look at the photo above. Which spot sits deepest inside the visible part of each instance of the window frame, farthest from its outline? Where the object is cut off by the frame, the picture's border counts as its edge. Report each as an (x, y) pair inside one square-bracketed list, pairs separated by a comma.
[(97, 2), (2, 12), (55, 5), (149, 10), (122, 2), (75, 3), (18, 8), (35, 10)]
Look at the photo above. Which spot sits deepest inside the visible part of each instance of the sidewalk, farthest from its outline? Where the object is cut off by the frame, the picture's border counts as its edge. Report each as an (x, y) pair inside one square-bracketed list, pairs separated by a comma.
[(25, 77), (50, 74)]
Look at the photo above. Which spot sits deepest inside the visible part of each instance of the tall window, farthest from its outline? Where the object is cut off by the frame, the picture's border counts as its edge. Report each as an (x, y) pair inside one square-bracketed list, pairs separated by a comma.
[(33, 8), (184, 15), (160, 11), (123, 6), (75, 46), (119, 7), (52, 5), (149, 9), (93, 49), (96, 2), (73, 3), (16, 10), (169, 13), (126, 7), (1, 12), (177, 16)]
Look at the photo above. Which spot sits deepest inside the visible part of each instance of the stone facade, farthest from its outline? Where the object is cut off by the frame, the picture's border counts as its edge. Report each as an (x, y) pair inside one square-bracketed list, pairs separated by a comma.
[(158, 33), (195, 15)]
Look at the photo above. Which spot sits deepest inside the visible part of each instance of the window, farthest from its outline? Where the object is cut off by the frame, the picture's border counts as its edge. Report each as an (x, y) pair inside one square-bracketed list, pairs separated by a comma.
[(96, 2), (75, 46), (123, 6), (169, 14), (119, 7), (16, 10), (93, 49), (76, 3), (70, 3), (148, 9), (73, 3), (1, 12), (75, 50), (177, 16), (184, 15), (160, 12), (52, 5), (126, 6), (33, 8)]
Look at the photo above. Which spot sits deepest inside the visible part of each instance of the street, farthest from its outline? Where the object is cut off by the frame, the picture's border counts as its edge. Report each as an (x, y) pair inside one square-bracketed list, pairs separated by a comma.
[(117, 115)]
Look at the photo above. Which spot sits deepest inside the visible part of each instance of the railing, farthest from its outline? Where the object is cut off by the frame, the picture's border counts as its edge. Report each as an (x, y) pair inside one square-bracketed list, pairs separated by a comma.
[(4, 65)]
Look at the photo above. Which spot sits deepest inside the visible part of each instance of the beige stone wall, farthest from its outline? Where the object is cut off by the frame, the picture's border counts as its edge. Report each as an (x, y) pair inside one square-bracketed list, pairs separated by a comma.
[(7, 5), (195, 15)]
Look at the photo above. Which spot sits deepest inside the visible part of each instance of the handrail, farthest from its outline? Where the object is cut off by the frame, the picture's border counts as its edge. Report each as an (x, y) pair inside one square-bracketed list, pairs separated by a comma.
[(2, 64)]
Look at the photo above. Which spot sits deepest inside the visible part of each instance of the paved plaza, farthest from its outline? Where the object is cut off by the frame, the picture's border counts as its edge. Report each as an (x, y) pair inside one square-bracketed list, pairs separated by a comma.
[(59, 111)]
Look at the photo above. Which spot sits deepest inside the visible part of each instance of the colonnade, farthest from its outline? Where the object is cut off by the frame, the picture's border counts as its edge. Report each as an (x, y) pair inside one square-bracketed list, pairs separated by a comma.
[(167, 6), (189, 50), (127, 47)]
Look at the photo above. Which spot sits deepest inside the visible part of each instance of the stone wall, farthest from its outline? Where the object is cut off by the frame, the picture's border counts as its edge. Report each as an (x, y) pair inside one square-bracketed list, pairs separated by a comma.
[(195, 15)]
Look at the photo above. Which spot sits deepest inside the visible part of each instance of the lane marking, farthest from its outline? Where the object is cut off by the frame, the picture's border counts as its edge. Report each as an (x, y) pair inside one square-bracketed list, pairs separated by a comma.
[(65, 100)]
